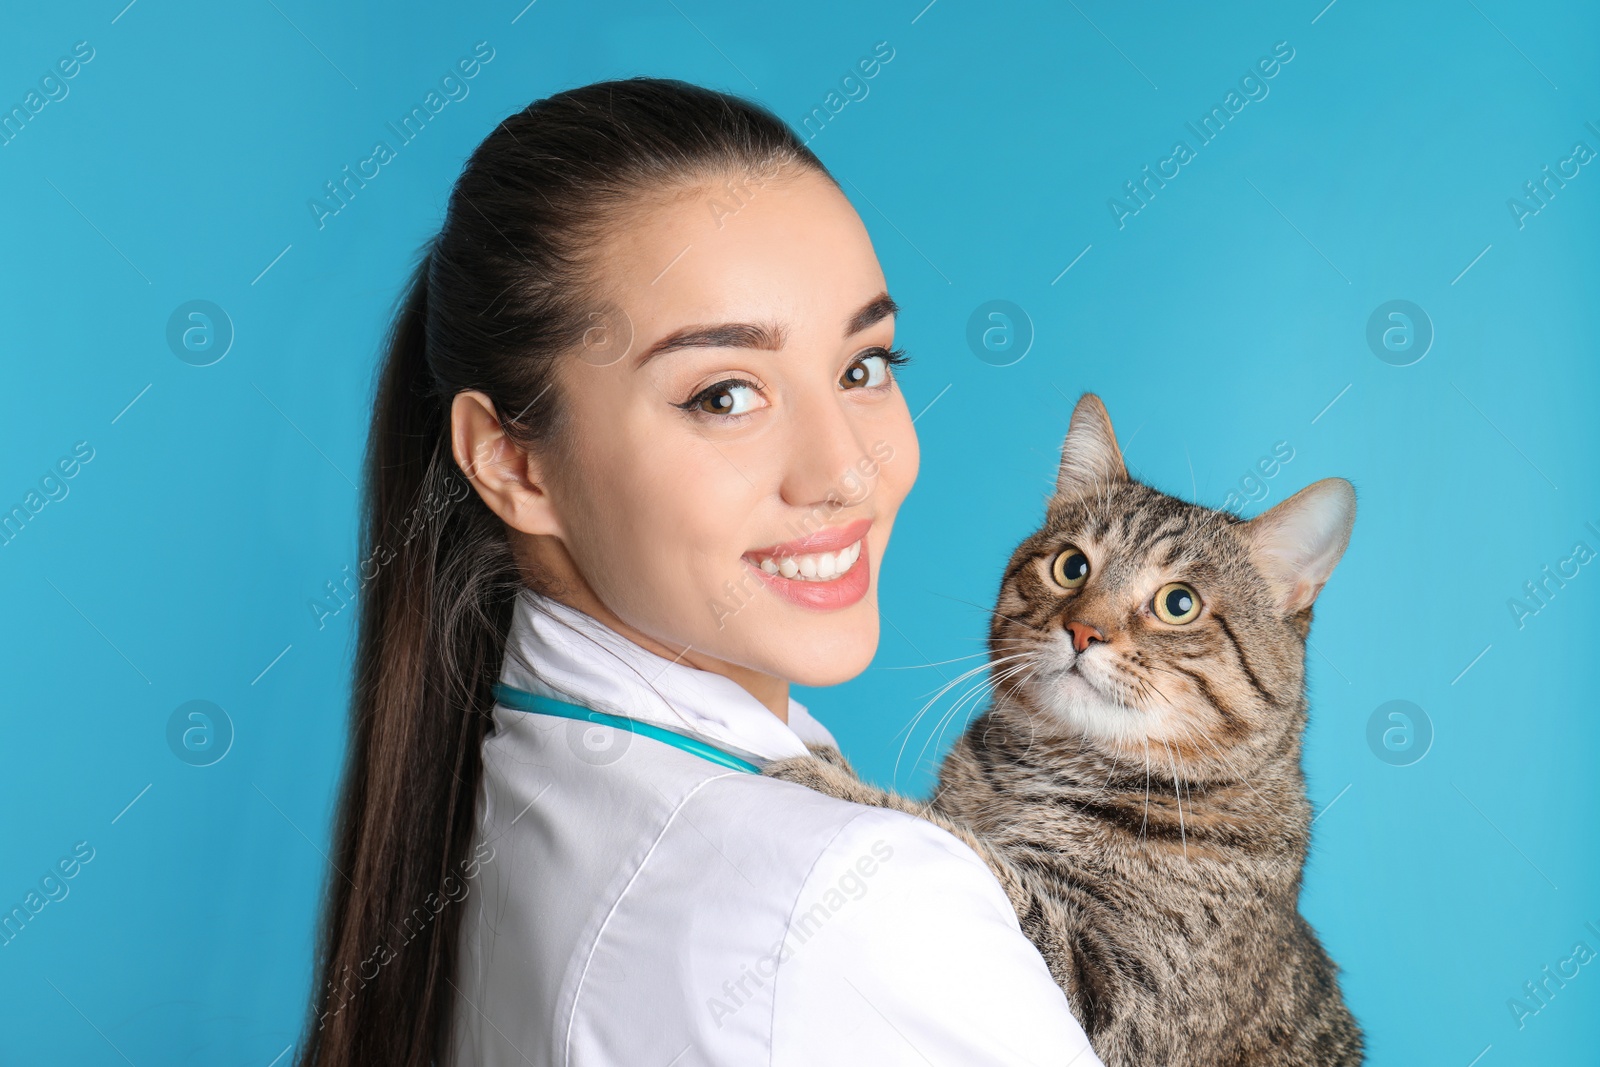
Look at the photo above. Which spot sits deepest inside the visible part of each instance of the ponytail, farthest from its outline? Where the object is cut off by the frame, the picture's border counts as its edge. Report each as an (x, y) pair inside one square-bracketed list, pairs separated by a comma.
[(435, 609)]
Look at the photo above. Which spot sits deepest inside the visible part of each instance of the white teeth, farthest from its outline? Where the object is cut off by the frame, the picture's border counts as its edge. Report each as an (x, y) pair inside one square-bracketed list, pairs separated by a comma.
[(815, 567)]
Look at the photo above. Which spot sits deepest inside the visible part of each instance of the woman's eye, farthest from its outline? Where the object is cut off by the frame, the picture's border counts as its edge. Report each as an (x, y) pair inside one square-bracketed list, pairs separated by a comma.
[(865, 372), (1071, 568), (725, 398), (1176, 603), (871, 369)]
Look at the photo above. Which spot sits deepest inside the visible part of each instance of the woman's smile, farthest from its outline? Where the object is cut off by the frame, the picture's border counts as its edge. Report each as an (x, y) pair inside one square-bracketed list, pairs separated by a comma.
[(826, 570)]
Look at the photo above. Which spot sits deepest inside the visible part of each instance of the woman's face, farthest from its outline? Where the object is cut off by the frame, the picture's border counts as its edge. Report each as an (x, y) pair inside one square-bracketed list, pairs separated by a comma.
[(736, 445)]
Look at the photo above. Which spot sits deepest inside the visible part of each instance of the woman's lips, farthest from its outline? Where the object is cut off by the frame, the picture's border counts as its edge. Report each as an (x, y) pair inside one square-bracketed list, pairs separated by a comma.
[(826, 571), (830, 540)]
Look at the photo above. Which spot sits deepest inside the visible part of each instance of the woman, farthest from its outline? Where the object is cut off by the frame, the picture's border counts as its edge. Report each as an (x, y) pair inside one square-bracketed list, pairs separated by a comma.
[(655, 340)]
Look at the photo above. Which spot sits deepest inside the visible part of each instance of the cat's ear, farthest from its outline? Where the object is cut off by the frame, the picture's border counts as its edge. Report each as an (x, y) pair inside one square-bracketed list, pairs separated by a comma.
[(1090, 457), (1297, 543)]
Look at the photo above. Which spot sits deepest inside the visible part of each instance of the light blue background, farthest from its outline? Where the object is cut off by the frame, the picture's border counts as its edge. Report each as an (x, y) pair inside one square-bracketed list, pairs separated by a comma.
[(1225, 316)]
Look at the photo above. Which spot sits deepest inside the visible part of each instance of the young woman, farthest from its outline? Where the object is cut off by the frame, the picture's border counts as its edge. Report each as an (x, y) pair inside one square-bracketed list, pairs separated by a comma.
[(655, 342)]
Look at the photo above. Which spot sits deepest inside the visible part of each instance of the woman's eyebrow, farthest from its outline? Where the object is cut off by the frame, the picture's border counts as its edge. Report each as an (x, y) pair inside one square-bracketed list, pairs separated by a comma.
[(759, 335), (720, 335), (874, 311)]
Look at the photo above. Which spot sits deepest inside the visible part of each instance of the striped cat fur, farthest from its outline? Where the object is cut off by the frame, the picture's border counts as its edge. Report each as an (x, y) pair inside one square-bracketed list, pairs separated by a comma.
[(1136, 784)]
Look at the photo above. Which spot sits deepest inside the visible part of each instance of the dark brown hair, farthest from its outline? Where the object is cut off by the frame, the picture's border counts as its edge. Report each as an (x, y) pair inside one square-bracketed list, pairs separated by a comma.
[(507, 288)]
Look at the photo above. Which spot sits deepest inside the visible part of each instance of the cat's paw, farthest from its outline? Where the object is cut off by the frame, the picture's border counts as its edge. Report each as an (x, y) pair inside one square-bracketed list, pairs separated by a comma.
[(829, 754), (825, 771)]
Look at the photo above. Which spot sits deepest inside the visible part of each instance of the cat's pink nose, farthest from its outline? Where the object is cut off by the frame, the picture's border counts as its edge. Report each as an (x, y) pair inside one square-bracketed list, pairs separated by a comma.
[(1082, 633)]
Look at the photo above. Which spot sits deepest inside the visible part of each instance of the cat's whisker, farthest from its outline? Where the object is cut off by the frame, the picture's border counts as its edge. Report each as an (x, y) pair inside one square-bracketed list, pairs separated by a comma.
[(976, 694), (1032, 672), (991, 611), (1177, 793), (944, 717), (1192, 733), (944, 720), (1145, 827), (935, 663), (910, 727), (957, 680)]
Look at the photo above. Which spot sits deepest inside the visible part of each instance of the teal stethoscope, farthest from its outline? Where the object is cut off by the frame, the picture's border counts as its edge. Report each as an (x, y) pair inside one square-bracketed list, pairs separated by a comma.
[(522, 700)]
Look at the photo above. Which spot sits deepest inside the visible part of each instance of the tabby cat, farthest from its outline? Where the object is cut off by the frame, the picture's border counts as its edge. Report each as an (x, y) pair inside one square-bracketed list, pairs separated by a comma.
[(1136, 784)]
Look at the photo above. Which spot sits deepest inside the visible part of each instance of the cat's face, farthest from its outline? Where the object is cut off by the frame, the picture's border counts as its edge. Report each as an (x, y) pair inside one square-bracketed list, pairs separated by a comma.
[(1157, 629)]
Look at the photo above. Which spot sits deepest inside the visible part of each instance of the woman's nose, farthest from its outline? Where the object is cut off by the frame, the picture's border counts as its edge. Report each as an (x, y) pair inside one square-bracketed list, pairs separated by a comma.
[(825, 458)]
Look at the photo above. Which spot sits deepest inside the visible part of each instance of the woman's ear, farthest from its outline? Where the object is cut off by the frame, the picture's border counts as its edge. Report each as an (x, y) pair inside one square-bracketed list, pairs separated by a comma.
[(507, 478)]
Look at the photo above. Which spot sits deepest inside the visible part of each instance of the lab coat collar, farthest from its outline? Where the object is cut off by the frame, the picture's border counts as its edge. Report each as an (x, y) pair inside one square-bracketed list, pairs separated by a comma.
[(557, 651)]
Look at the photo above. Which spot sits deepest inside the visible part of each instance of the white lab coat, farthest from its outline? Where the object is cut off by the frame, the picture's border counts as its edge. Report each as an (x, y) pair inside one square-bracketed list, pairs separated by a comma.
[(645, 907)]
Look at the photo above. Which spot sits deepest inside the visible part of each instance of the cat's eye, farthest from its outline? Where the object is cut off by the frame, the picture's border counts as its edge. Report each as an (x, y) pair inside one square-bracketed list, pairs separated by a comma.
[(1071, 568), (1176, 603)]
